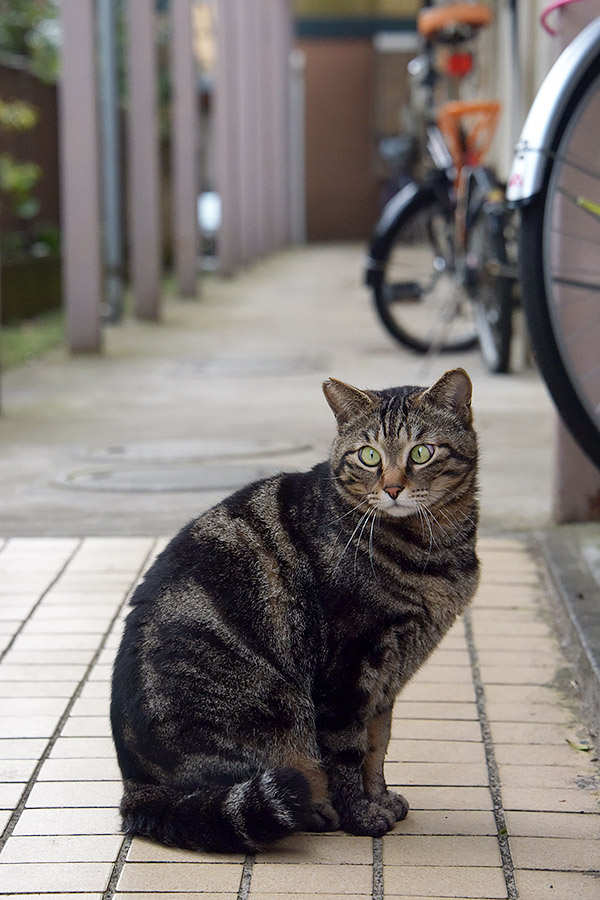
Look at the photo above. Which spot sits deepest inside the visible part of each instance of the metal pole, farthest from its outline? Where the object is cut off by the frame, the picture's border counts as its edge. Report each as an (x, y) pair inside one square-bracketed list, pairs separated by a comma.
[(185, 151), (144, 163), (111, 161), (80, 195)]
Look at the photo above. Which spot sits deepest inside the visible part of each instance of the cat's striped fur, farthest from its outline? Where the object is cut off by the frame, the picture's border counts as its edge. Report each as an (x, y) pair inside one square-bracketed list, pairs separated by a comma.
[(253, 689)]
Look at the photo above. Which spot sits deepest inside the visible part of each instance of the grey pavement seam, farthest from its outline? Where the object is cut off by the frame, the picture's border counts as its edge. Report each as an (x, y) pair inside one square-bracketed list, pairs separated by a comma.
[(246, 878), (378, 869), (38, 601), (492, 765), (16, 814)]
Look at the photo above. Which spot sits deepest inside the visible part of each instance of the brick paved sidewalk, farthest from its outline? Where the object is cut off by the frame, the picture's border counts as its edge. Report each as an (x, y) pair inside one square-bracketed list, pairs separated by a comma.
[(487, 746)]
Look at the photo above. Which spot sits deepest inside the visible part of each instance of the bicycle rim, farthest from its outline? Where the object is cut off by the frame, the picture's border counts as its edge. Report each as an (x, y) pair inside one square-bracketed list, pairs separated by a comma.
[(420, 299), (568, 350)]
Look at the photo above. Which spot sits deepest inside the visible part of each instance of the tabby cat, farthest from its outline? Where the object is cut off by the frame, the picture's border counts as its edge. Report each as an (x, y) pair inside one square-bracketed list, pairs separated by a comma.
[(253, 689)]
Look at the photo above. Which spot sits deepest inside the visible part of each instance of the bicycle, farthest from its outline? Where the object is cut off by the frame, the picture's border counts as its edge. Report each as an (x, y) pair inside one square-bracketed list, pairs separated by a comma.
[(438, 263), (555, 182)]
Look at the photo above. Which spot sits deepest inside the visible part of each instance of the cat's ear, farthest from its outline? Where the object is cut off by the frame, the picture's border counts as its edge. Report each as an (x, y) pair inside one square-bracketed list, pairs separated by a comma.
[(347, 401), (452, 391)]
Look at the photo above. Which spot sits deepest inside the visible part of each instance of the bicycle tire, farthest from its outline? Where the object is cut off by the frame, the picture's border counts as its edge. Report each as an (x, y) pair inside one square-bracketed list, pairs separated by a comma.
[(491, 292), (413, 321), (552, 278)]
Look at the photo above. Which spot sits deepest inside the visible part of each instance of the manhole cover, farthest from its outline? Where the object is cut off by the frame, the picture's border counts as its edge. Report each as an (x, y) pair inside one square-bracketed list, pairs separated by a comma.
[(193, 450), (245, 366), (166, 478)]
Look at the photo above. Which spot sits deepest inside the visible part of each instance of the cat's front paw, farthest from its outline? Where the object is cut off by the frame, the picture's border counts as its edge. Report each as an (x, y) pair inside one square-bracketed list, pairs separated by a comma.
[(368, 817), (396, 803), (322, 817)]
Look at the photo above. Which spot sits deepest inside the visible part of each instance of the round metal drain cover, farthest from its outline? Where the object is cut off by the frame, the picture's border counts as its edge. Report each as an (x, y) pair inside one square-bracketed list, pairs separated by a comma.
[(193, 450), (166, 479)]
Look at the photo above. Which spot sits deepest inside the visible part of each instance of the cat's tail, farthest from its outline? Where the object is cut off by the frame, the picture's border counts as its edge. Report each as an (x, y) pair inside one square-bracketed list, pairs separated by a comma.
[(245, 818)]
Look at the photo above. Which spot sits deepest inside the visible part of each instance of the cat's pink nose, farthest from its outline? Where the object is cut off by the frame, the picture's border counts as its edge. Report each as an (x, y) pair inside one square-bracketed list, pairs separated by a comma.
[(393, 491)]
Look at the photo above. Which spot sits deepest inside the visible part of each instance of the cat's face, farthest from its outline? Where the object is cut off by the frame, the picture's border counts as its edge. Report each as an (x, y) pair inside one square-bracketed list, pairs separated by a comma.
[(404, 450)]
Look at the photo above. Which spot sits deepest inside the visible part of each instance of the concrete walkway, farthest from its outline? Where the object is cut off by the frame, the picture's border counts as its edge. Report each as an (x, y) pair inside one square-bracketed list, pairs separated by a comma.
[(102, 460)]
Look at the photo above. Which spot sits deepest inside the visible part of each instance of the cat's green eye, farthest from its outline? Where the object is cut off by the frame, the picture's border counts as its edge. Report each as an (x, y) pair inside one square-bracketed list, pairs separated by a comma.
[(369, 456), (422, 453)]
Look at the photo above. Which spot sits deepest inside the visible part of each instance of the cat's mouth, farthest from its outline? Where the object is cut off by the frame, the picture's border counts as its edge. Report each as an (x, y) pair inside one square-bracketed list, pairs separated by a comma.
[(398, 507)]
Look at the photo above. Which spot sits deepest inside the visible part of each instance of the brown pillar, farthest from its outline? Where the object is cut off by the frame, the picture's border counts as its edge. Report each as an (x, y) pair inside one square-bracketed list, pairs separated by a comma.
[(144, 167), (185, 148), (80, 195)]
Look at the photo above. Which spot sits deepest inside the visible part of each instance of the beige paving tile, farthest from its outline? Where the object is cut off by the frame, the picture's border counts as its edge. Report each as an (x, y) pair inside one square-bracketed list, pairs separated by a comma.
[(497, 623), (528, 712), (181, 896), (316, 895), (269, 878), (64, 848), (452, 774), (71, 626), (157, 877), (96, 689), (438, 821), (311, 849), (10, 794), (61, 896), (559, 825), (555, 853), (40, 688), (548, 777), (494, 657), (41, 673), (557, 885), (105, 610), (435, 692), (444, 881), (68, 821), (142, 850), (517, 674), (48, 657), (496, 593), (435, 751), (525, 693), (5, 815), (87, 726), (74, 793), (453, 798), (23, 727), (91, 706), (89, 748), (544, 800), (22, 748), (451, 672), (101, 673), (56, 640), (32, 706), (542, 755), (16, 769), (537, 645), (446, 656), (406, 709), (530, 733), (53, 877), (440, 850), (94, 769), (432, 729)]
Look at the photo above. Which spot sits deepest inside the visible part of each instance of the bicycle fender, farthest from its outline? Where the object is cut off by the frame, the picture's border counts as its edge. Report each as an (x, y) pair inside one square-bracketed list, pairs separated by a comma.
[(539, 132), (411, 195)]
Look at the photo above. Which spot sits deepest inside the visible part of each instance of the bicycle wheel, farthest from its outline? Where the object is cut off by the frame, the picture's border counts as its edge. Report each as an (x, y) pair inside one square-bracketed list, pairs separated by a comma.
[(560, 267), (419, 297), (490, 292)]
